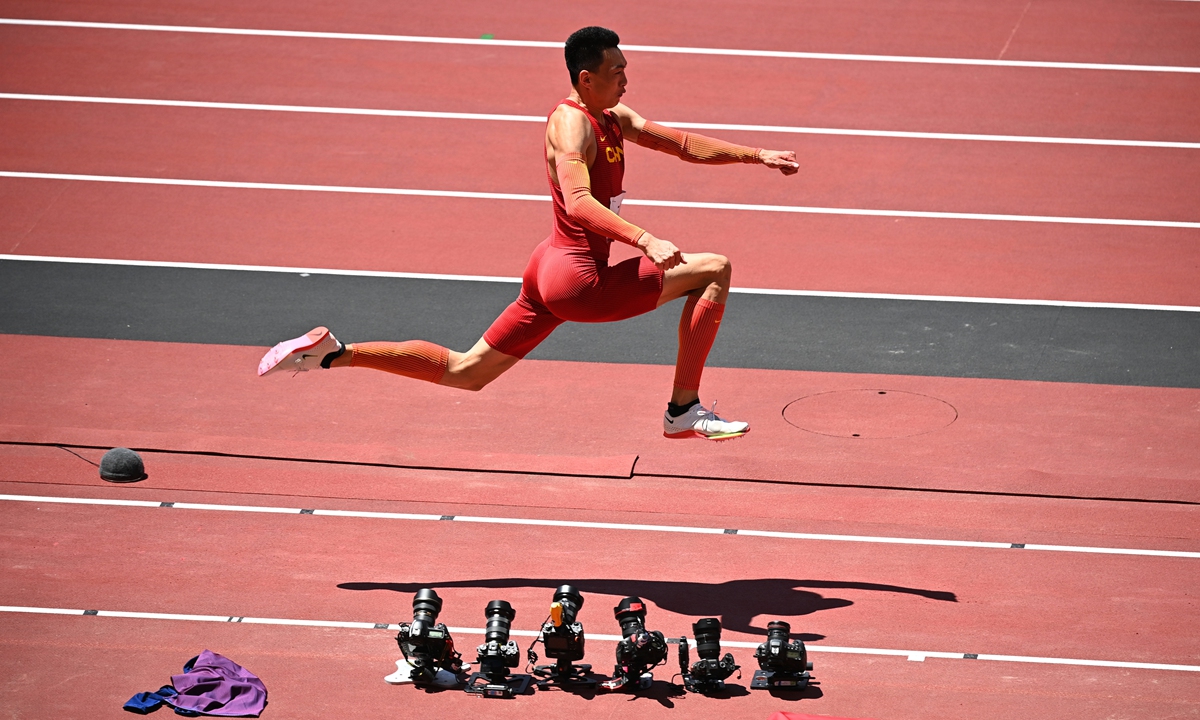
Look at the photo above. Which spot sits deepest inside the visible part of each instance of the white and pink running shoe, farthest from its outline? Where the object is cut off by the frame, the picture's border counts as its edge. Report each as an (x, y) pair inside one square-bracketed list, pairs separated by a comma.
[(301, 354)]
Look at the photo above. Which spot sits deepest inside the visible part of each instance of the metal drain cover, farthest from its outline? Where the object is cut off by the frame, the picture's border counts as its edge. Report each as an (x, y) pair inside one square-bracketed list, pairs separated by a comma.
[(869, 413)]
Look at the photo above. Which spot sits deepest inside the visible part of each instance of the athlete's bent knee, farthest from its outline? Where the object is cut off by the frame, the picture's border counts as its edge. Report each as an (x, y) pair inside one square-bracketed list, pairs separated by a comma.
[(474, 370), (467, 377), (718, 270), (725, 267), (466, 381)]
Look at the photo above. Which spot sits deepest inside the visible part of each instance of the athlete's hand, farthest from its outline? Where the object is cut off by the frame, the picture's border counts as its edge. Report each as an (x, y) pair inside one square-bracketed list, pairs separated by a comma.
[(782, 160), (662, 253)]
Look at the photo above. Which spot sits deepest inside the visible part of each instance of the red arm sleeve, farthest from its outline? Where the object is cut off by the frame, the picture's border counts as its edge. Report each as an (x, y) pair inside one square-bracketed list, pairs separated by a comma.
[(584, 208), (693, 147)]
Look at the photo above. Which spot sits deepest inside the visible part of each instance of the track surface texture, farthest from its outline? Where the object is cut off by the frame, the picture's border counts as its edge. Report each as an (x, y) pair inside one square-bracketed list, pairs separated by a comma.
[(966, 335)]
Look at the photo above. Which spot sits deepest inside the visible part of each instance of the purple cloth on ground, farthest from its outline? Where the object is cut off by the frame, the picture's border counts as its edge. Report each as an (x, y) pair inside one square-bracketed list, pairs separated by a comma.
[(216, 685)]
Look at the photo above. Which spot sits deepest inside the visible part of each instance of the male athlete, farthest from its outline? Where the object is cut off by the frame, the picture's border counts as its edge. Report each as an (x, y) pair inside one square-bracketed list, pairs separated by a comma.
[(568, 276)]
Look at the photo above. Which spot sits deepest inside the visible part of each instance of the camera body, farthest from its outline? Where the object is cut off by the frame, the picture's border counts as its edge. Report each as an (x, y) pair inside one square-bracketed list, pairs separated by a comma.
[(783, 663), (496, 658), (496, 655), (425, 642), (707, 674), (562, 635), (639, 650), (564, 642)]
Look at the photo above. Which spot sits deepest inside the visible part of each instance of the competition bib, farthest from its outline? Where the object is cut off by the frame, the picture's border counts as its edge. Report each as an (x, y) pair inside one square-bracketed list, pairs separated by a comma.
[(614, 203)]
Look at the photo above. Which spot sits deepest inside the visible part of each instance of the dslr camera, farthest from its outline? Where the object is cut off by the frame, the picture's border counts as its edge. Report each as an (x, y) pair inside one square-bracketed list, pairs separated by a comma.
[(639, 650), (562, 636), (425, 642), (708, 673), (783, 663), (496, 655)]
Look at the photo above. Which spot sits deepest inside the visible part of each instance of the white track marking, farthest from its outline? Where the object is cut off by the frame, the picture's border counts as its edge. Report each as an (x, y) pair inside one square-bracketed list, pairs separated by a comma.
[(278, 108), (631, 527), (267, 268), (598, 637), (240, 508), (904, 134), (557, 45), (494, 117), (744, 207), (517, 280)]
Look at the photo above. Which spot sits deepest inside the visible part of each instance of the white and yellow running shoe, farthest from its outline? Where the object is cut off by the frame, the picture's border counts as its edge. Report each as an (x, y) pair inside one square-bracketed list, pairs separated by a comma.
[(702, 423)]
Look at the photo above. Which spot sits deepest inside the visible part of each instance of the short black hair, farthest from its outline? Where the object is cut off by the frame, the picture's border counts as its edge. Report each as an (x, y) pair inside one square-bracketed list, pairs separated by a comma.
[(585, 49)]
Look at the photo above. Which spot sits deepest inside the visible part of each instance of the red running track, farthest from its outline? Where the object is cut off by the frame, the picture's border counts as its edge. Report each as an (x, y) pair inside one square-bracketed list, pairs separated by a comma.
[(528, 81), (856, 595), (475, 156), (888, 255), (1028, 439), (861, 595), (1113, 31), (1009, 436)]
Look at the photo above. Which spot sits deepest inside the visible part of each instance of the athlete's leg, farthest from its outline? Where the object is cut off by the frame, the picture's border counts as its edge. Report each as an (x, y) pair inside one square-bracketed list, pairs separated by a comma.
[(519, 329), (421, 360), (704, 278)]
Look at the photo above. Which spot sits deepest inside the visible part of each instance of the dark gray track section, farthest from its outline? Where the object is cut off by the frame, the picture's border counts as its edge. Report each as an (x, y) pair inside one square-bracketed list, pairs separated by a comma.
[(1091, 345)]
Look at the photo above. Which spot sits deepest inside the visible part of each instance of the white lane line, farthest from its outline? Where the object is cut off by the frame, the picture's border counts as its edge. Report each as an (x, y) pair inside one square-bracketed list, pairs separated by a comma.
[(516, 280), (744, 207), (557, 45), (268, 268), (277, 186), (591, 525), (426, 114), (277, 108), (598, 637), (911, 214), (821, 537)]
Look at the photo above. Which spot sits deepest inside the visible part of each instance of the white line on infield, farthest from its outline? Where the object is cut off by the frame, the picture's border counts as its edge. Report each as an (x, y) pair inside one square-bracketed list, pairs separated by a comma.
[(342, 624), (745, 207), (557, 45), (501, 279), (607, 526), (428, 114)]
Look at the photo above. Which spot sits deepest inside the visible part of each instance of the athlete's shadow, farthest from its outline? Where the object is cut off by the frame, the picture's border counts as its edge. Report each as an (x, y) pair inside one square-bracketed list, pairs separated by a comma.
[(736, 602)]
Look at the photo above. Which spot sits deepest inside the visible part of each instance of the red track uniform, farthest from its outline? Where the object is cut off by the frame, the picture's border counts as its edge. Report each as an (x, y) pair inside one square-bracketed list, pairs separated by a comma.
[(568, 276)]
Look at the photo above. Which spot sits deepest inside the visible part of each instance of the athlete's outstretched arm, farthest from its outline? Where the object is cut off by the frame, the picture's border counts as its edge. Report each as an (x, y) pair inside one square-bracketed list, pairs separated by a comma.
[(697, 148)]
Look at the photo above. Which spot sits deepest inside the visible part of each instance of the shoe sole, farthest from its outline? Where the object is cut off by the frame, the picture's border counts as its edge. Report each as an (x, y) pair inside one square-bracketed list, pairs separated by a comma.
[(281, 351), (693, 434)]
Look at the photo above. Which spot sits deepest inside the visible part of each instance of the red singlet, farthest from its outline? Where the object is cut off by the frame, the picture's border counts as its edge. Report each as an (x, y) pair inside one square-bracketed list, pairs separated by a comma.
[(568, 276)]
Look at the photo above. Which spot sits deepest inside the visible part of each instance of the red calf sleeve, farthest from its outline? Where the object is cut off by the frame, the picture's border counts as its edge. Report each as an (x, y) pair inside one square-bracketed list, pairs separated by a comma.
[(413, 358), (697, 329)]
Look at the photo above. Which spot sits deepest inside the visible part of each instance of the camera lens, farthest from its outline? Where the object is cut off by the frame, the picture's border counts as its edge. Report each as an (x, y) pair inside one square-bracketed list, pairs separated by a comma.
[(708, 638), (426, 605), (499, 616), (631, 613), (779, 631), (570, 600)]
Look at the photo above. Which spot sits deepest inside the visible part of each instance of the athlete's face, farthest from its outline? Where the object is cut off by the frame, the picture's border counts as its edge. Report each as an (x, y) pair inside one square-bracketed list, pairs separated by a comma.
[(607, 84)]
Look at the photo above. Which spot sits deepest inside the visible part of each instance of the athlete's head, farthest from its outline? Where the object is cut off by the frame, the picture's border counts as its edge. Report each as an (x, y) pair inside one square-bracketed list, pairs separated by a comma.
[(596, 64)]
